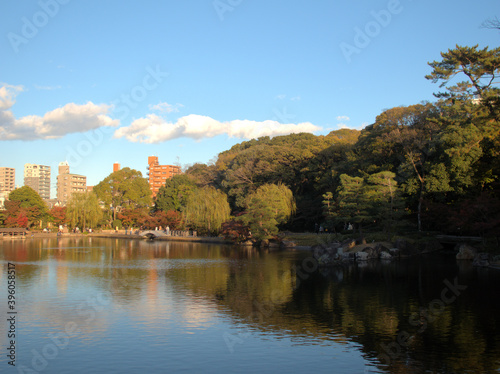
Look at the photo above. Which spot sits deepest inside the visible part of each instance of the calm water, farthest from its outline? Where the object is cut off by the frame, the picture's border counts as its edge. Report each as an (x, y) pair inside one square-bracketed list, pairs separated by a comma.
[(115, 306)]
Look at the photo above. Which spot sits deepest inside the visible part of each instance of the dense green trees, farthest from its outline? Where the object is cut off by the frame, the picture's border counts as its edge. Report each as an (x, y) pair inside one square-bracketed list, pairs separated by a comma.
[(374, 199), (423, 166), (125, 188), (411, 164), (266, 208), (174, 194)]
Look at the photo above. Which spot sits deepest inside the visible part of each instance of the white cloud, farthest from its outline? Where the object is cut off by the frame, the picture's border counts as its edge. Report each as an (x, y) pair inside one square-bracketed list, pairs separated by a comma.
[(155, 129), (343, 118), (47, 88), (280, 97), (68, 119), (345, 126), (296, 98), (166, 107), (8, 95)]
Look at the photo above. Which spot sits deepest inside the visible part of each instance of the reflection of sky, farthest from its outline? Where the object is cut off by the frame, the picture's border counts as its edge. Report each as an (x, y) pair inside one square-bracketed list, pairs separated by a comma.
[(132, 312)]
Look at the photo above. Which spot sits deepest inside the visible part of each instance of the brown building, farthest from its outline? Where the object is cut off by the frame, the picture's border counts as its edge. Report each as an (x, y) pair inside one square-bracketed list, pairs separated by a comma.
[(7, 180), (116, 167), (68, 184), (7, 183), (158, 174), (38, 177)]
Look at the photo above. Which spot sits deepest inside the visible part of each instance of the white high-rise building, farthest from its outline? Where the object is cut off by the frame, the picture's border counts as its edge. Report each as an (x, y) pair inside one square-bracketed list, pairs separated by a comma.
[(38, 177)]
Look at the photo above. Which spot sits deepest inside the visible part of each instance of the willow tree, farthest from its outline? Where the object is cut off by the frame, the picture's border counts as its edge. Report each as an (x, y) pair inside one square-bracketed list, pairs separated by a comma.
[(269, 206), (207, 209), (84, 209)]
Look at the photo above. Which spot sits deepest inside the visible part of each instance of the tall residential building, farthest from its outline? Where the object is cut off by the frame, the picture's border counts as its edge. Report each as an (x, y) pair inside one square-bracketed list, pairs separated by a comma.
[(7, 183), (38, 177), (116, 167), (68, 184), (7, 180), (158, 174)]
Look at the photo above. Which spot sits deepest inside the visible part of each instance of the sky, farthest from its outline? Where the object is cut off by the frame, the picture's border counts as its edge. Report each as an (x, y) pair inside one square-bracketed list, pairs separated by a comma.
[(98, 82)]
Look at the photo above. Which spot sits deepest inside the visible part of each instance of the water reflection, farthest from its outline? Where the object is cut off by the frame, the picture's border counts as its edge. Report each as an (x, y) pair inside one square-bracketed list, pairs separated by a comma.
[(235, 306)]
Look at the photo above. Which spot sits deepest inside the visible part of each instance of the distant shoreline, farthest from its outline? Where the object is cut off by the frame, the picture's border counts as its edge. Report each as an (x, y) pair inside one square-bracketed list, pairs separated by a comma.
[(113, 235)]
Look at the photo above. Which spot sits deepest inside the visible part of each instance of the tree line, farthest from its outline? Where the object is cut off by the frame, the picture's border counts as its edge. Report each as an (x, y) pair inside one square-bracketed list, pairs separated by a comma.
[(428, 166)]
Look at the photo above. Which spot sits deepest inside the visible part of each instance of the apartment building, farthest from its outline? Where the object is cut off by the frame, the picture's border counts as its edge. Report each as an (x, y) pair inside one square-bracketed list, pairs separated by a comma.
[(68, 184), (7, 183), (7, 180), (38, 177), (158, 174)]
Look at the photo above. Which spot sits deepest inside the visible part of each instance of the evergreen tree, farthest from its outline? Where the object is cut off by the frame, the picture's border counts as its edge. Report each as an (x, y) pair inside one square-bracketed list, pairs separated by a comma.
[(352, 204), (175, 193), (269, 206), (387, 205), (125, 188)]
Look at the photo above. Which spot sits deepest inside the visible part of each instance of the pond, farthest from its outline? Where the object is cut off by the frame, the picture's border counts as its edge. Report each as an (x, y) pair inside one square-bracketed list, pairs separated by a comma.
[(91, 305)]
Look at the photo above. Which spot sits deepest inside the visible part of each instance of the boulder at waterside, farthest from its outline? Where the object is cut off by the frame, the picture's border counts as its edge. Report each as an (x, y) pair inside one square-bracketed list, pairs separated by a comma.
[(385, 255), (361, 256), (465, 252), (482, 259), (287, 244)]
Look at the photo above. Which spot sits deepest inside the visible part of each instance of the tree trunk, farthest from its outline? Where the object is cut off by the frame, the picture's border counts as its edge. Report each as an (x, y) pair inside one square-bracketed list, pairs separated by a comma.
[(419, 213)]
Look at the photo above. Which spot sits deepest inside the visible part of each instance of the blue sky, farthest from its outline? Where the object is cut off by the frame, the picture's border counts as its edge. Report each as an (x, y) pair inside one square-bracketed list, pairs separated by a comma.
[(97, 82)]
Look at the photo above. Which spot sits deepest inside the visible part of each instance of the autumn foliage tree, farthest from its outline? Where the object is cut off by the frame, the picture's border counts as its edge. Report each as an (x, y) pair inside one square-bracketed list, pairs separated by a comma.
[(58, 215), (15, 216), (25, 208)]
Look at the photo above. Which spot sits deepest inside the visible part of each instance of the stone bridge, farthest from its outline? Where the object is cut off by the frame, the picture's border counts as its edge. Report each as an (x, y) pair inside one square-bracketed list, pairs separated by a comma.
[(152, 234)]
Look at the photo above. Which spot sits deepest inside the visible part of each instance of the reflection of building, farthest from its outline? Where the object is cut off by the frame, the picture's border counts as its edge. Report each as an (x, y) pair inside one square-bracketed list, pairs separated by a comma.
[(7, 183), (68, 184), (158, 174), (38, 177)]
